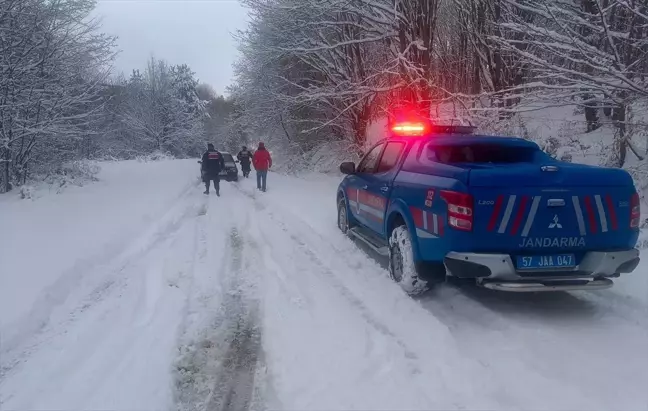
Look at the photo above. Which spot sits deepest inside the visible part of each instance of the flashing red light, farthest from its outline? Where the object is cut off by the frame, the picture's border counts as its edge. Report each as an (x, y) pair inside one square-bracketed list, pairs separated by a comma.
[(409, 129)]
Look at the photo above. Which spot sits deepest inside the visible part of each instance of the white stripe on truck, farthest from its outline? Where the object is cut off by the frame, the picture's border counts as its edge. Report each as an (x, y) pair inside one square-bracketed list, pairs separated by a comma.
[(531, 217), (370, 210), (601, 211), (424, 234), (436, 223), (579, 216), (507, 214)]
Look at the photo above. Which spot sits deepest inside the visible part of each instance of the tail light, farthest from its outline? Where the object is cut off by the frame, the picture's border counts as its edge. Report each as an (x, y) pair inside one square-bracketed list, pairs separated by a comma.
[(460, 209), (635, 211)]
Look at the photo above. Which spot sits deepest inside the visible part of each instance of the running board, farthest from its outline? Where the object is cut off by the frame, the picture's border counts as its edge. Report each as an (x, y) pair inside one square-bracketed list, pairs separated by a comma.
[(518, 287), (369, 241)]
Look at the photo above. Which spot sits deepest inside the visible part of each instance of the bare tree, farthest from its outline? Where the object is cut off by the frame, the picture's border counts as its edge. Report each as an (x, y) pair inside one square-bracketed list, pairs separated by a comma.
[(309, 59), (590, 52), (163, 111), (53, 64)]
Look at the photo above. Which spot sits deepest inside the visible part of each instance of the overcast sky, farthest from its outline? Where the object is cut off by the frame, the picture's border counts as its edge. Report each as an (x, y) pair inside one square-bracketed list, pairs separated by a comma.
[(195, 32)]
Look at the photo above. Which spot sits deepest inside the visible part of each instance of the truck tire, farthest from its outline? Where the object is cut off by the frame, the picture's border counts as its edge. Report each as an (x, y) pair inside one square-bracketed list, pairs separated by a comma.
[(344, 224), (402, 267)]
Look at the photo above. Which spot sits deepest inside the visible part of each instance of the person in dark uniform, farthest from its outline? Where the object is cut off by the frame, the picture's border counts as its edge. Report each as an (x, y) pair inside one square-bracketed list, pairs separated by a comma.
[(212, 164), (245, 158)]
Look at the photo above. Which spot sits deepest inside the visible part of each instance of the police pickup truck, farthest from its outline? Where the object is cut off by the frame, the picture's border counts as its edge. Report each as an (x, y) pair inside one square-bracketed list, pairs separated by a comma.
[(440, 201)]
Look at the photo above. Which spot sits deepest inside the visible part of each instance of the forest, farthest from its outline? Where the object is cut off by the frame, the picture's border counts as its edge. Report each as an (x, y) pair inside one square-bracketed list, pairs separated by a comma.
[(61, 104)]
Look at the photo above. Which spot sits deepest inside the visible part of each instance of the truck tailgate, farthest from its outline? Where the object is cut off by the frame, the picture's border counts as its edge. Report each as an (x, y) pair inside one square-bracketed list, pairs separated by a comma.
[(541, 220)]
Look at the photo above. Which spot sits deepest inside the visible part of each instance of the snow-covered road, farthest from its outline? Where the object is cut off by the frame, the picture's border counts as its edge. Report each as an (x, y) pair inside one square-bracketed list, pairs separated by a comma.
[(140, 293)]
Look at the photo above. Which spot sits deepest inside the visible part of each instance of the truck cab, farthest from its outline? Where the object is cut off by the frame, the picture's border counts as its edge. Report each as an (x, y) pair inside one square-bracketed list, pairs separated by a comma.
[(440, 201)]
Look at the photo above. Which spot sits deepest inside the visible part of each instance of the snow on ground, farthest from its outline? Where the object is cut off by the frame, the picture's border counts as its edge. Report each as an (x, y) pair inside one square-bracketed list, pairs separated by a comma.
[(139, 292), (55, 241)]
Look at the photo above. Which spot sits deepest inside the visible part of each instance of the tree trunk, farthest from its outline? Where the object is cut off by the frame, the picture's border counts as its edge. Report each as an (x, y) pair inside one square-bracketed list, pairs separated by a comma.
[(361, 127), (6, 180), (591, 114), (619, 117)]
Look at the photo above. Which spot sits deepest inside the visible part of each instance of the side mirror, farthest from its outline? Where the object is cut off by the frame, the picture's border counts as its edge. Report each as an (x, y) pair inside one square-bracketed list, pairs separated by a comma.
[(348, 167)]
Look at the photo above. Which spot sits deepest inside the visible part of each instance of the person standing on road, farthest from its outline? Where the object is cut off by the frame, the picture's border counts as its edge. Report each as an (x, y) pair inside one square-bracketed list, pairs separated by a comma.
[(262, 162), (212, 164), (245, 157)]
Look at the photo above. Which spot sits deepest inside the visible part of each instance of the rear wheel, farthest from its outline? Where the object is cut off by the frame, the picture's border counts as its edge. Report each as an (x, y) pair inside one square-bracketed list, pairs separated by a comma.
[(402, 267)]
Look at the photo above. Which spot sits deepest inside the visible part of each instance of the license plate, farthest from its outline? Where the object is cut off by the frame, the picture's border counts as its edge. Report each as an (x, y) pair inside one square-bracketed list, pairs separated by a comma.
[(536, 262)]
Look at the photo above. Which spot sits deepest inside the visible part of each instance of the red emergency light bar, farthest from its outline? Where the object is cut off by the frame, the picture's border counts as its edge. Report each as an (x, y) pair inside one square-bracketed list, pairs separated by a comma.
[(409, 129), (413, 129)]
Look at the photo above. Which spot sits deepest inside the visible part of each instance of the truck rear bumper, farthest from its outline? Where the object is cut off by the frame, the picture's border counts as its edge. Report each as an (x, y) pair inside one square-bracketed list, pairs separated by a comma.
[(497, 271), (526, 287)]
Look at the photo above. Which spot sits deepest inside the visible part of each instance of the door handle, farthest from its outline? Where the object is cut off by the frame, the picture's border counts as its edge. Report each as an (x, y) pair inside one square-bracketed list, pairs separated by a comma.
[(365, 187), (384, 188)]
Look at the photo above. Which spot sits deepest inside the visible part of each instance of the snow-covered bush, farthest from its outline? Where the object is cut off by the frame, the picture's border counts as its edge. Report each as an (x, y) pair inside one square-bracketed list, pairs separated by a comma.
[(566, 157), (325, 158), (155, 156), (551, 146), (73, 173), (26, 192)]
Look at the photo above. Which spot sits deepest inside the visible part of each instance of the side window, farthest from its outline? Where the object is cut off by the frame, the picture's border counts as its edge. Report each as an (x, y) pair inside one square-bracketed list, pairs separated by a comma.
[(437, 154), (489, 153), (390, 156), (368, 164)]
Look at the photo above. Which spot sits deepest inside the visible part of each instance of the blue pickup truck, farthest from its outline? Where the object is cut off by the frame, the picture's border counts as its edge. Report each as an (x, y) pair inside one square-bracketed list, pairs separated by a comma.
[(440, 201)]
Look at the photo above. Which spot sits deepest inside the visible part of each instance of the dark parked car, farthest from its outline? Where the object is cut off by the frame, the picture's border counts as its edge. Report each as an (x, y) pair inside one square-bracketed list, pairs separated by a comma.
[(230, 173)]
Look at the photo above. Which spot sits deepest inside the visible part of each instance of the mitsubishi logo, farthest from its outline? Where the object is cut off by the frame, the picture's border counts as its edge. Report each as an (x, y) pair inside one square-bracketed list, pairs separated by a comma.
[(555, 223)]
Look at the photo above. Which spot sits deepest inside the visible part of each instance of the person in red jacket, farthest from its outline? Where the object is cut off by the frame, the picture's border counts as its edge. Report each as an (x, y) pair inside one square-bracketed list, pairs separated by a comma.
[(262, 162)]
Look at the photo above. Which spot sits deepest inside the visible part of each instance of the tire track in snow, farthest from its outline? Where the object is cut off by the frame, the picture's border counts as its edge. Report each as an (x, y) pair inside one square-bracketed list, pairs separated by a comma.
[(217, 370), (385, 352), (421, 355), (366, 314), (235, 378), (269, 263), (198, 258)]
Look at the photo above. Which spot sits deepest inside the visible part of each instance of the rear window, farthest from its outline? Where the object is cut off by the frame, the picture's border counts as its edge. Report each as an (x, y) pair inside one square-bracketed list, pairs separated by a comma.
[(228, 158), (477, 153)]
